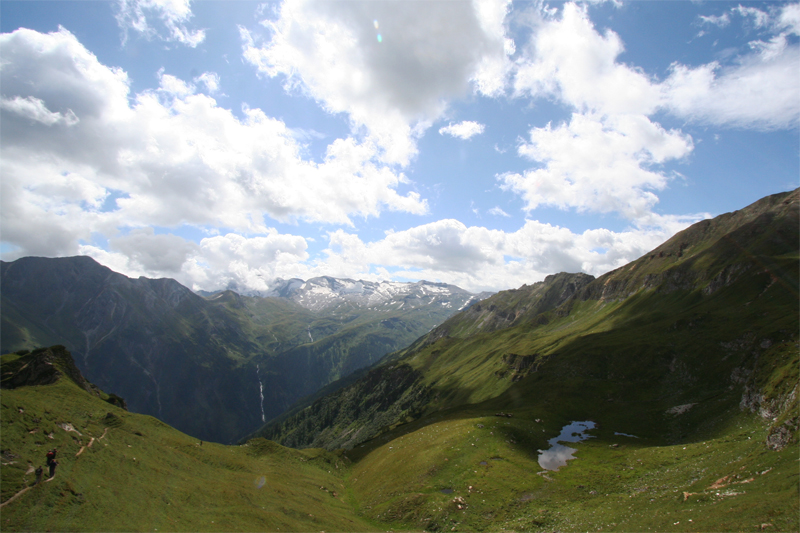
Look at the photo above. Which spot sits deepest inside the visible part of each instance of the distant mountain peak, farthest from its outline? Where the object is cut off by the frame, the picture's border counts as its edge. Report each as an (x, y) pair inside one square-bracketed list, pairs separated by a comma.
[(325, 292)]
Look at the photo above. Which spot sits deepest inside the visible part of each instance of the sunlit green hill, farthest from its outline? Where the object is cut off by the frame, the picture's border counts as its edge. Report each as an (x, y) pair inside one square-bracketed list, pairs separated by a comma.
[(120, 471)]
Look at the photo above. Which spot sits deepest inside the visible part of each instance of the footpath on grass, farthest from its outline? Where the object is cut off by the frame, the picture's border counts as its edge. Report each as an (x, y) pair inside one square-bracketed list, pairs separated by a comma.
[(48, 480)]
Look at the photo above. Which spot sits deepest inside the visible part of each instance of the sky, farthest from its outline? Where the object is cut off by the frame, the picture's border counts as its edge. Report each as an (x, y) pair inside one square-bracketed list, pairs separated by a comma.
[(486, 144)]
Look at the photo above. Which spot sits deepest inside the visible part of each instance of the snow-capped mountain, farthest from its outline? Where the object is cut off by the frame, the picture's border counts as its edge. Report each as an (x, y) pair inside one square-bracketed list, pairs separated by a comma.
[(326, 293)]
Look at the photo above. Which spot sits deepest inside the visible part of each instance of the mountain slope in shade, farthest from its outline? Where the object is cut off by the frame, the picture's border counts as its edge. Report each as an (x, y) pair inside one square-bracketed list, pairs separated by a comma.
[(162, 347), (215, 367)]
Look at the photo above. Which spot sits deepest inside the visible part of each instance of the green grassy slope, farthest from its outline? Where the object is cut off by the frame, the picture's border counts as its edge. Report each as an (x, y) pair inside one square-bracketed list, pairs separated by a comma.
[(693, 350), (121, 471), (138, 474), (615, 483)]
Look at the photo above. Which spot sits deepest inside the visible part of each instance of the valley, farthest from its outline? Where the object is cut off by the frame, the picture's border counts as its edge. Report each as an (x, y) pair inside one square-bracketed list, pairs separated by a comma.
[(219, 366), (683, 366)]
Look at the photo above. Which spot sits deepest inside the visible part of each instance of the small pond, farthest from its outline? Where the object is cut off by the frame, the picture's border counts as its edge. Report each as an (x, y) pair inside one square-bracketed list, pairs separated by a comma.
[(558, 454)]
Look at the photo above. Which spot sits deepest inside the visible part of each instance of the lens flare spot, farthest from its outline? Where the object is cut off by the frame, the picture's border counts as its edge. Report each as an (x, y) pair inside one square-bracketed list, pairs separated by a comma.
[(259, 482), (375, 23), (380, 39)]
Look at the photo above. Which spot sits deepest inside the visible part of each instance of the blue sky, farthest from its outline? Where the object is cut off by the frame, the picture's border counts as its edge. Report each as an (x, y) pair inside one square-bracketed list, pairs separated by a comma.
[(485, 144)]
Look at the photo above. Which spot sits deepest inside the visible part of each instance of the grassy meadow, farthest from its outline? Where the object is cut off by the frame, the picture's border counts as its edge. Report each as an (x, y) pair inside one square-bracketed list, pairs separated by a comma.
[(139, 474), (121, 471)]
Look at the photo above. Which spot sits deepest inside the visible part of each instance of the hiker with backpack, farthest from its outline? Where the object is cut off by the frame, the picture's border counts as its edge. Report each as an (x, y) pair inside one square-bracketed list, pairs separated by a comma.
[(51, 461)]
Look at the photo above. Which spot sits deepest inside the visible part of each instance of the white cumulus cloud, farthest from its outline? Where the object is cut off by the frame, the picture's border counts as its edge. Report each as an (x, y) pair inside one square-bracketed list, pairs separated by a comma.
[(390, 66), (567, 58), (477, 258), (593, 163), (608, 157), (463, 130), (164, 157)]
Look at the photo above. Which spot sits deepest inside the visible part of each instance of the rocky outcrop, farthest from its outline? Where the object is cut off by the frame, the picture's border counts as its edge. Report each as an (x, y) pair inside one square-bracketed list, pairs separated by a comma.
[(781, 436), (755, 401), (45, 366)]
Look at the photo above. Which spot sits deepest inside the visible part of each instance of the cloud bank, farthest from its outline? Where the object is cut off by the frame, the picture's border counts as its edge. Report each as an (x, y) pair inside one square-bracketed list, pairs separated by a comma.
[(81, 155), (90, 168)]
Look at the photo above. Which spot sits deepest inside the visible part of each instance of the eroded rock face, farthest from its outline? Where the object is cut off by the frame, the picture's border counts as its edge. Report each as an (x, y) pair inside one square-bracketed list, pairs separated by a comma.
[(779, 437), (768, 408), (42, 367), (45, 366)]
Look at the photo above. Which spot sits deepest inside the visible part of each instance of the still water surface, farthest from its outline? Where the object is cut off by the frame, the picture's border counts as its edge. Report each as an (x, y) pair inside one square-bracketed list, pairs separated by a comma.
[(558, 454)]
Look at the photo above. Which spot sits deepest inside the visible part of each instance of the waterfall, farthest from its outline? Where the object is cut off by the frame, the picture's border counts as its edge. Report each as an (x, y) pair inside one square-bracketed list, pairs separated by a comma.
[(261, 392), (309, 334)]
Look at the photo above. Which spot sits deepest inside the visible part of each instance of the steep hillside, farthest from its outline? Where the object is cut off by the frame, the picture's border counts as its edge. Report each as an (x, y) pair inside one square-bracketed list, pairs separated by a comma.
[(214, 367), (153, 341), (711, 314), (120, 471), (712, 253), (513, 307), (686, 361)]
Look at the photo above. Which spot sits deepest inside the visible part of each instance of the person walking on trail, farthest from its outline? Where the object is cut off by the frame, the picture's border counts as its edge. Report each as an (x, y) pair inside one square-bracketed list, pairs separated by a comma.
[(39, 472), (53, 464), (51, 455)]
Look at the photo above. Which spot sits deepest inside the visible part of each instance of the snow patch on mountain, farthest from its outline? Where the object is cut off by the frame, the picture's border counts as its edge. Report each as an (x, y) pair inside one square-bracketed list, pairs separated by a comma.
[(325, 292)]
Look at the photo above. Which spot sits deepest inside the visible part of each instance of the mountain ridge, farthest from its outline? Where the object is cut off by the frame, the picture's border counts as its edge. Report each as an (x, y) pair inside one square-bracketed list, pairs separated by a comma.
[(754, 249), (215, 367), (323, 292)]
